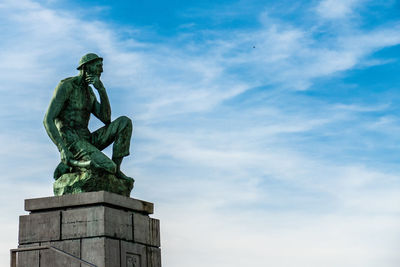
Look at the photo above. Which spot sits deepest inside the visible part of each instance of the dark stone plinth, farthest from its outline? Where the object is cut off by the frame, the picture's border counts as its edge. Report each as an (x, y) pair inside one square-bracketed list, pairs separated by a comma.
[(103, 228), (87, 181)]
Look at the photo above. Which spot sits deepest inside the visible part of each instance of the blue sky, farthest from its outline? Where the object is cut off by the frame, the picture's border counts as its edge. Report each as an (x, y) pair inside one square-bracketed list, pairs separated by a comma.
[(267, 133)]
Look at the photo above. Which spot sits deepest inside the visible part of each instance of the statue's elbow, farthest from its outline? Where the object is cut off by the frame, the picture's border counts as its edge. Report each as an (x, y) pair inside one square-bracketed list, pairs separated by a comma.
[(47, 121)]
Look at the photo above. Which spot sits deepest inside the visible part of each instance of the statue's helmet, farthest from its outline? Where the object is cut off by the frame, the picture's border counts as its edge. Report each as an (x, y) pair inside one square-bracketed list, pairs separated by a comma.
[(88, 58)]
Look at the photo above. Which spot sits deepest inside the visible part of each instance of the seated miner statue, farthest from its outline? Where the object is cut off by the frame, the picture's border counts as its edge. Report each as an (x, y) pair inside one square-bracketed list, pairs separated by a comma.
[(66, 122)]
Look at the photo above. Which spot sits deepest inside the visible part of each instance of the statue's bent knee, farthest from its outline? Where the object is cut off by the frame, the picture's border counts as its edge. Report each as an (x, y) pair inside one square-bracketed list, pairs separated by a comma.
[(124, 123)]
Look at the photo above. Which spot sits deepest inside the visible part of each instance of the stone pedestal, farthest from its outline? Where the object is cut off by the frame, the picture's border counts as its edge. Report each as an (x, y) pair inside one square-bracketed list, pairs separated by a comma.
[(102, 228)]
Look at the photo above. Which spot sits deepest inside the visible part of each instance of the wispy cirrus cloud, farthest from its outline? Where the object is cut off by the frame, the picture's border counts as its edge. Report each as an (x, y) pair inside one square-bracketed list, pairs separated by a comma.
[(330, 9)]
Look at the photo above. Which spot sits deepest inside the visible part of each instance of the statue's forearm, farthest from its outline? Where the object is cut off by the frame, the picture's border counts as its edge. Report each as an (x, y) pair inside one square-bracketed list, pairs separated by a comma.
[(105, 107)]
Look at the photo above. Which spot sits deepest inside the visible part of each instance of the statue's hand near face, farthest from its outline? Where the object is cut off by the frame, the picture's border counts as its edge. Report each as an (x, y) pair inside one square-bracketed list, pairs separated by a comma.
[(95, 80)]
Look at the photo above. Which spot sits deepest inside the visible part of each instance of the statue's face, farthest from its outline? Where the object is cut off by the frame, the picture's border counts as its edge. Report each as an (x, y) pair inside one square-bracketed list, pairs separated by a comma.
[(95, 67)]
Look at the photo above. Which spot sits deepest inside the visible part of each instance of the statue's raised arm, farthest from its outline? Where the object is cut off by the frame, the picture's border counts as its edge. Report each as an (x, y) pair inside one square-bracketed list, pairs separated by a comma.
[(83, 166)]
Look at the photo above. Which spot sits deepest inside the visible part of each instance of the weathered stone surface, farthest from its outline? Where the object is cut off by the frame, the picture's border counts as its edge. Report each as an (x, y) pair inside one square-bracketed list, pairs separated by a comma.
[(90, 198), (50, 258), (133, 255), (88, 181), (146, 230), (118, 224), (101, 251), (103, 228), (39, 227), (96, 221), (153, 257), (154, 232), (141, 229), (28, 258), (85, 222)]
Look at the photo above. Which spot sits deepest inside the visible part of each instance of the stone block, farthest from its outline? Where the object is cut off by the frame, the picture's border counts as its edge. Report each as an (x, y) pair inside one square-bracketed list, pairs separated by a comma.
[(84, 222), (146, 230), (50, 258), (95, 222), (101, 251), (141, 228), (39, 227), (155, 233), (28, 258), (133, 255), (118, 224), (153, 257), (86, 199)]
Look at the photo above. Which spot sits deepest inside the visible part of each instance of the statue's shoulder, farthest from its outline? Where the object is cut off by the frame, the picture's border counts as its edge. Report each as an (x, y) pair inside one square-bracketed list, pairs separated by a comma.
[(69, 82)]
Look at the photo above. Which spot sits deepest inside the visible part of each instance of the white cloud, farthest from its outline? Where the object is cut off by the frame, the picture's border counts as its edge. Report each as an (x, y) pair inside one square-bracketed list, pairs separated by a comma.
[(280, 240), (337, 9)]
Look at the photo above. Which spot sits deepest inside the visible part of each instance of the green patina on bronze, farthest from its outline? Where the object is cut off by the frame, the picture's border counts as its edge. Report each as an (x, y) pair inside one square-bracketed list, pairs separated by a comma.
[(72, 183), (83, 167)]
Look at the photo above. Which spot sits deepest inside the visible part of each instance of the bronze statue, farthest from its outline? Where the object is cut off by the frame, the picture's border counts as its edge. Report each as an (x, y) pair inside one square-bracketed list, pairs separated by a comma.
[(83, 166)]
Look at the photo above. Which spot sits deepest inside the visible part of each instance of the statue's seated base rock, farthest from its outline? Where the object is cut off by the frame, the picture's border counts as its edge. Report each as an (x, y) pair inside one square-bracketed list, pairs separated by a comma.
[(89, 181)]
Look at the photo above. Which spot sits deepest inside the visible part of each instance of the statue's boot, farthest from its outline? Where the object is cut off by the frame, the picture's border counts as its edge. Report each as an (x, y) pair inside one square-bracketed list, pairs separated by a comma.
[(121, 175)]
